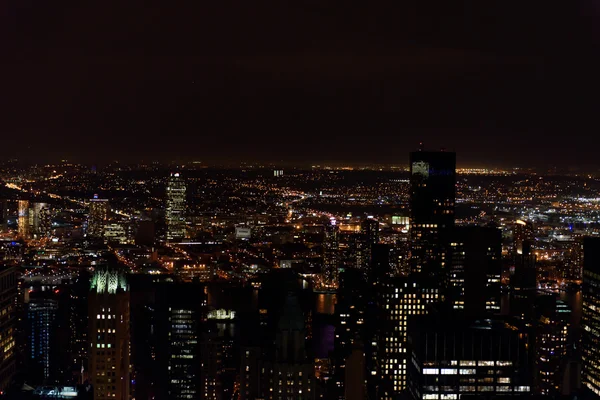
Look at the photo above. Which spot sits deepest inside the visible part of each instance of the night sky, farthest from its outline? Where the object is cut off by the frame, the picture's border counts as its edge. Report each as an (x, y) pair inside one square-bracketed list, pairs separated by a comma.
[(504, 83)]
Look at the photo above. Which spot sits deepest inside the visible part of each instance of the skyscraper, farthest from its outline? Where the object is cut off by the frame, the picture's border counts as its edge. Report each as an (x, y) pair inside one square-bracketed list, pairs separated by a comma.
[(97, 217), (369, 237), (432, 198), (331, 255), (41, 314), (355, 374), (399, 300), (175, 212), (523, 283), (178, 322), (23, 223), (453, 357), (291, 373), (353, 298), (551, 333), (8, 296), (475, 266), (523, 231), (109, 334), (40, 220), (590, 318)]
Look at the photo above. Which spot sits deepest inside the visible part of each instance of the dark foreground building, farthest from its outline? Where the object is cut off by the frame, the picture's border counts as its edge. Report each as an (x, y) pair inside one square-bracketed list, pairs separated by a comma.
[(452, 356)]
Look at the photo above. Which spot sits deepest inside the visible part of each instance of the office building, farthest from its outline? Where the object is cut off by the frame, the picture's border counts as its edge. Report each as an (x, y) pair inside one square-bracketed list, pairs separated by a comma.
[(250, 373), (399, 299), (524, 283), (40, 220), (118, 233), (551, 334), (451, 357), (331, 255), (590, 318), (178, 353), (355, 374), (41, 316), (23, 222), (290, 373), (98, 217), (369, 237), (8, 299), (351, 308), (109, 335), (523, 231), (432, 198), (475, 266), (176, 208)]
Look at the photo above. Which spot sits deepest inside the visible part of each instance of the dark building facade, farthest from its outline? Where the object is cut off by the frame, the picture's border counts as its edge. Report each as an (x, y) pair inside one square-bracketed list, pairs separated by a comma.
[(41, 317), (178, 325), (8, 296), (590, 319), (473, 278), (432, 198), (451, 357)]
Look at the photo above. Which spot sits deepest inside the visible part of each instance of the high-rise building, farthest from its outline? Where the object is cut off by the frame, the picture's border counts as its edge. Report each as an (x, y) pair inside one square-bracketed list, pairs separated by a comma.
[(331, 255), (350, 309), (8, 297), (23, 222), (217, 368), (432, 198), (453, 357), (97, 217), (524, 283), (551, 334), (291, 373), (178, 328), (175, 212), (250, 373), (475, 266), (40, 220), (399, 299), (355, 374), (41, 315), (369, 237), (523, 231), (109, 335), (590, 318)]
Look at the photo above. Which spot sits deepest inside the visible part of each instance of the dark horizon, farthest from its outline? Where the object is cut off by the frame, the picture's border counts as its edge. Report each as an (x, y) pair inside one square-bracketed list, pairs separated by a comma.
[(502, 84)]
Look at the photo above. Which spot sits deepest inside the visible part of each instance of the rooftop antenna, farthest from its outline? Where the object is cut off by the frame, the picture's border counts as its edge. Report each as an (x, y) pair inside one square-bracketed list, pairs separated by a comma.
[(421, 147)]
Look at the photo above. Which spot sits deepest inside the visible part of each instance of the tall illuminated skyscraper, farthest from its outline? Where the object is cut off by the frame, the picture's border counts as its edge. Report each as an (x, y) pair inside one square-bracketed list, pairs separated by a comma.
[(432, 198), (331, 255), (523, 231), (40, 220), (590, 319), (399, 300), (551, 334), (175, 213), (97, 217), (109, 334), (23, 222)]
